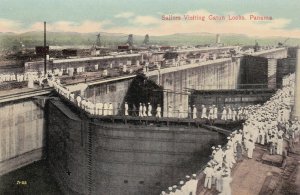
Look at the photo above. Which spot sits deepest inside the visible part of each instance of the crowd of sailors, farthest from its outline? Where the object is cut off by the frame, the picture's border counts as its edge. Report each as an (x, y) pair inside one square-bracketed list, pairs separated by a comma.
[(147, 110), (269, 125), (206, 112), (36, 76), (18, 77), (29, 77)]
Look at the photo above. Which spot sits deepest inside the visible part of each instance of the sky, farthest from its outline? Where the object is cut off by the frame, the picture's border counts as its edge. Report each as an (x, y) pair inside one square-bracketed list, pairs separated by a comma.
[(145, 16)]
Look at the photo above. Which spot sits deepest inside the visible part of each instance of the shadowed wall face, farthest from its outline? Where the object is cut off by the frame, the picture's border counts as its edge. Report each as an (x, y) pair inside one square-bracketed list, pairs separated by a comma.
[(285, 66), (118, 159), (112, 92), (21, 133), (254, 70)]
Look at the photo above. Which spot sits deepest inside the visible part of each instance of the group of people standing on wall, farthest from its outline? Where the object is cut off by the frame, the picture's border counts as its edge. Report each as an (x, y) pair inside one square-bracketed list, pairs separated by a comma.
[(101, 109), (206, 112), (269, 125)]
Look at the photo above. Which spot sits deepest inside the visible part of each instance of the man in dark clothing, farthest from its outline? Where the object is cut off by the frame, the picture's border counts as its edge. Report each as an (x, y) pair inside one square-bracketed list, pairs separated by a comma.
[(284, 158), (239, 152), (134, 110)]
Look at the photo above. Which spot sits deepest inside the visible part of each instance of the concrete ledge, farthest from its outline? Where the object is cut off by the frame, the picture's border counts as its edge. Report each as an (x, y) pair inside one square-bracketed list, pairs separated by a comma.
[(20, 161)]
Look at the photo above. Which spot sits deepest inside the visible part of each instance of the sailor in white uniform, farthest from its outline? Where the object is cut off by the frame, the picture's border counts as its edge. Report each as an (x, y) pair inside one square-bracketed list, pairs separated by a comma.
[(224, 114), (158, 111), (110, 109), (215, 112), (208, 171), (194, 112), (126, 109), (144, 110), (140, 110), (149, 109), (203, 112)]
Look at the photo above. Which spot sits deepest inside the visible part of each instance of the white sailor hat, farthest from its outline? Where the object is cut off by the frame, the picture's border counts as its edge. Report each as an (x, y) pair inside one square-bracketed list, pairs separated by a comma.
[(163, 193), (187, 176), (194, 175), (219, 146), (170, 188), (228, 137), (174, 186), (181, 182), (213, 147)]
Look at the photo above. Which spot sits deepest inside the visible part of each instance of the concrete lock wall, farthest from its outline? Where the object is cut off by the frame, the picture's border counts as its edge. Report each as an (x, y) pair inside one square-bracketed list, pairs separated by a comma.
[(285, 66), (21, 134), (110, 159), (88, 63), (214, 75), (135, 160), (113, 92), (224, 74), (67, 148), (234, 99)]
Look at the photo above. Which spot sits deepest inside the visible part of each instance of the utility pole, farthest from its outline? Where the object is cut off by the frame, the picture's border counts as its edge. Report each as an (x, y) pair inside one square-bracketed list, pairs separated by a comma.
[(45, 51)]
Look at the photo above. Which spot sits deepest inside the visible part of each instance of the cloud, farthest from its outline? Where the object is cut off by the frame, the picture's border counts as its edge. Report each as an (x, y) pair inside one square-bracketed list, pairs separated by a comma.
[(124, 15), (154, 25), (60, 26), (275, 27), (67, 26), (9, 25), (146, 20)]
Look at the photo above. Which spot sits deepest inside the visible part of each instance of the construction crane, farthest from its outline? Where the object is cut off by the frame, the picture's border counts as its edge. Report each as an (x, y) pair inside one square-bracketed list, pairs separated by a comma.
[(97, 44), (98, 41), (281, 44), (130, 40), (256, 46), (146, 40)]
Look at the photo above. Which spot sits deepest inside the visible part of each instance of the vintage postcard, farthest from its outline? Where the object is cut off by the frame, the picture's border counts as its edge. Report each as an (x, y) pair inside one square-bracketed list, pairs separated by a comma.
[(160, 97)]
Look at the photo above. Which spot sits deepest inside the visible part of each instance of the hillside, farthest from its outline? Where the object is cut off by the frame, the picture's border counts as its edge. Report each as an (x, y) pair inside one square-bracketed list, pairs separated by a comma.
[(31, 39)]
